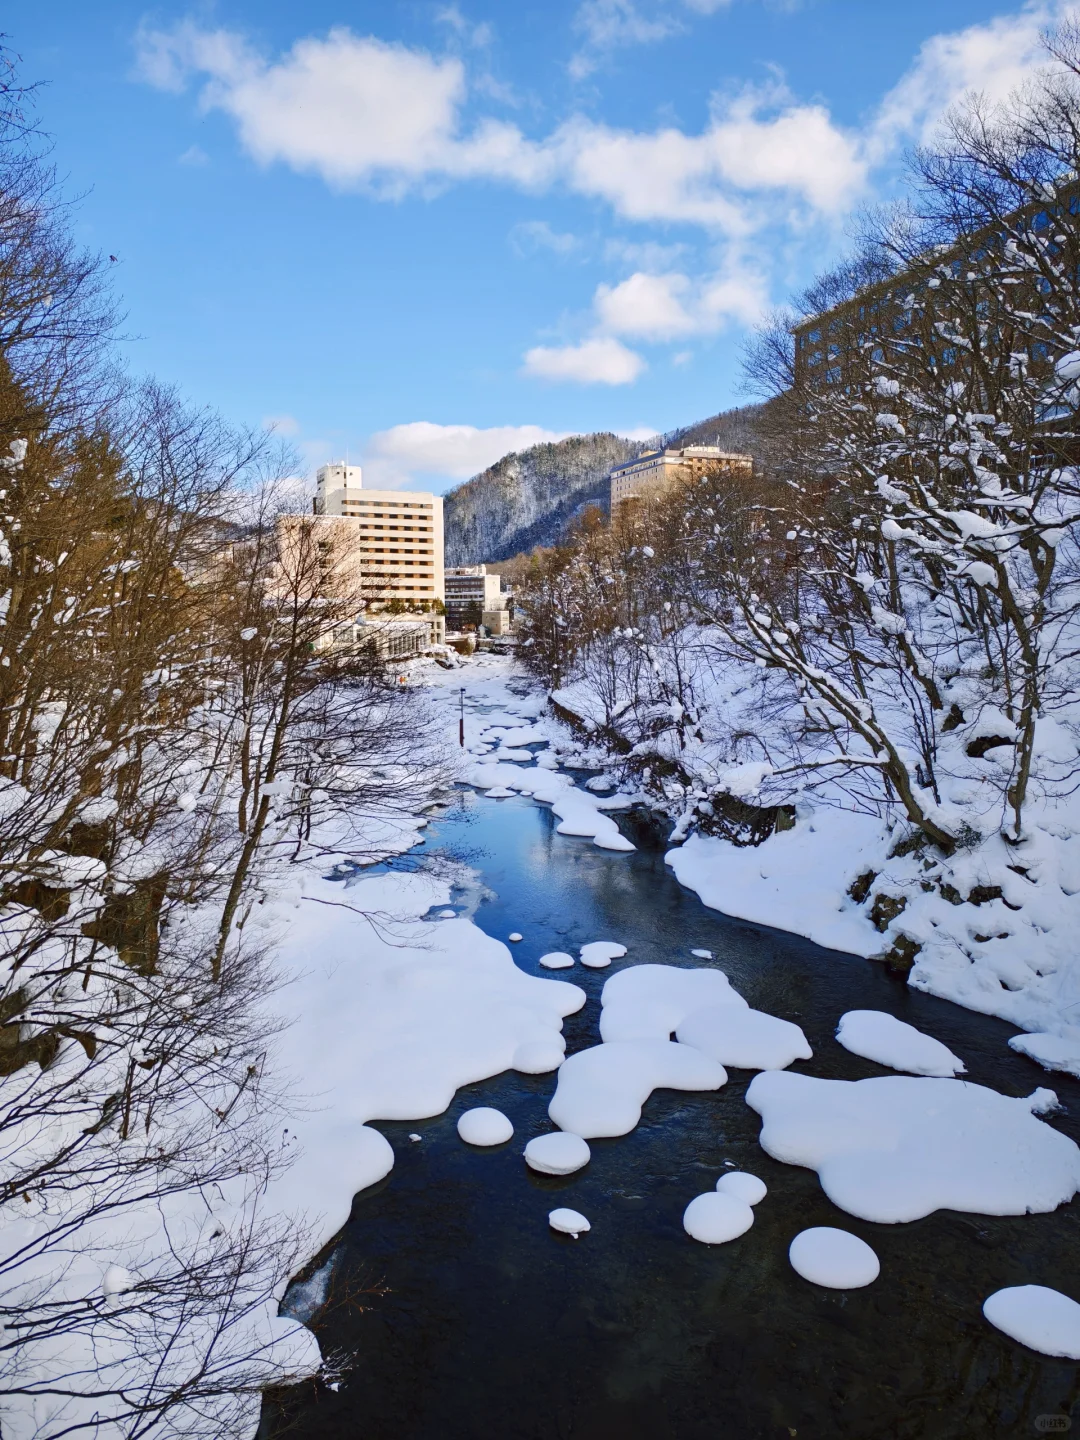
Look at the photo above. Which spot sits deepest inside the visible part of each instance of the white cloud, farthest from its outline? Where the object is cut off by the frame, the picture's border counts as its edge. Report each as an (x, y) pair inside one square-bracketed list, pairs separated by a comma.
[(194, 156), (400, 456), (360, 112), (670, 306), (994, 58), (477, 35), (528, 236), (649, 307), (281, 424), (601, 360), (353, 110), (605, 23)]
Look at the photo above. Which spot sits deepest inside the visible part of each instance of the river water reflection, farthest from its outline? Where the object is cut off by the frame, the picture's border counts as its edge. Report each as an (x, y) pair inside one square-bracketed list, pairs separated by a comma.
[(492, 1326)]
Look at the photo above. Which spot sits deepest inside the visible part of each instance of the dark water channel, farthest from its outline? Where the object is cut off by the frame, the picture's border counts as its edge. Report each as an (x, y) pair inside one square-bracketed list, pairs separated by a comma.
[(492, 1327)]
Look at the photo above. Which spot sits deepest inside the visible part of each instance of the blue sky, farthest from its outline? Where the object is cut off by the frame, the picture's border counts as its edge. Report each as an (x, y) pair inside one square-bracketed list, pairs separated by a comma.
[(427, 233)]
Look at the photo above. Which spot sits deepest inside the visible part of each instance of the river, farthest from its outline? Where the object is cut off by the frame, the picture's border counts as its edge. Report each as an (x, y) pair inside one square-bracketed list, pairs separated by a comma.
[(460, 1315)]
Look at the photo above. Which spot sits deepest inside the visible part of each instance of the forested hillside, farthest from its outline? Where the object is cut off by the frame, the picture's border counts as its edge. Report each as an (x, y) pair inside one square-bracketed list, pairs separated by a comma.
[(531, 497), (528, 498)]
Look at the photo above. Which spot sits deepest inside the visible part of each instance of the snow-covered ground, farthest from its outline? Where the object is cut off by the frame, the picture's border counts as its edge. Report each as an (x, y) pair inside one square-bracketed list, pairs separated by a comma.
[(991, 927)]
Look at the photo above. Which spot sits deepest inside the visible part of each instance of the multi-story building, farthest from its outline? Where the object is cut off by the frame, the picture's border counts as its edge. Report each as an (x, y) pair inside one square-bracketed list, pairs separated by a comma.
[(400, 534), (839, 345), (656, 469), (475, 597)]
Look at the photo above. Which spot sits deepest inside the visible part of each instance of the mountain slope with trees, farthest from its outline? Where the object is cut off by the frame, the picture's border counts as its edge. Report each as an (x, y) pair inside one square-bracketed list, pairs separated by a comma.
[(530, 497)]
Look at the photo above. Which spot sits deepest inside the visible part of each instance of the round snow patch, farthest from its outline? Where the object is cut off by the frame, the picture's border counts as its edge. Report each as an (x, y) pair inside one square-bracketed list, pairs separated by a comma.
[(558, 1154), (1043, 1319), (568, 1222), (600, 953), (834, 1258), (715, 1219), (447, 914), (744, 1187), (557, 960), (539, 1057), (484, 1126), (514, 935)]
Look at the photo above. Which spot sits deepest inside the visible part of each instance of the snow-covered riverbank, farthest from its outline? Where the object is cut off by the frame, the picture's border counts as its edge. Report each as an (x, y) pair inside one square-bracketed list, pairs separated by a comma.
[(396, 998)]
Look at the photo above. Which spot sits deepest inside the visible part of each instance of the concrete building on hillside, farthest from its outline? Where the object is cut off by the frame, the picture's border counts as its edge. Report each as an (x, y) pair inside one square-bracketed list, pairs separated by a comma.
[(475, 597), (654, 471)]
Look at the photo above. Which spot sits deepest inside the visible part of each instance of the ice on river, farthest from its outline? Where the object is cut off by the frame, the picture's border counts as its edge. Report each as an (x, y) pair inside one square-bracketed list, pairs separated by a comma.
[(895, 1147), (1041, 1318), (601, 1090), (650, 1002), (877, 1035), (743, 1038), (580, 812)]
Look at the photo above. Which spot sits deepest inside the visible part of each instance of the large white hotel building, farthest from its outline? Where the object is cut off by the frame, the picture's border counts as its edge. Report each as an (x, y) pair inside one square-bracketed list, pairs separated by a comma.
[(400, 533)]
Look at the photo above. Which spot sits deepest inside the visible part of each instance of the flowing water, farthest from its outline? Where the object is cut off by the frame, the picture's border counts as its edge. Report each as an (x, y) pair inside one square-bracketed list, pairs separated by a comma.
[(461, 1316)]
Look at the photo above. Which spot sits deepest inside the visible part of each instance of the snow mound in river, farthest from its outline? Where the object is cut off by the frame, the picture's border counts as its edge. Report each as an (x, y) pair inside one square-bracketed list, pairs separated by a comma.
[(557, 1154), (896, 1147), (650, 1002), (484, 1126), (834, 1258), (747, 1039), (568, 1222), (714, 1218), (1041, 1318), (598, 954), (601, 1090), (877, 1035), (743, 1186)]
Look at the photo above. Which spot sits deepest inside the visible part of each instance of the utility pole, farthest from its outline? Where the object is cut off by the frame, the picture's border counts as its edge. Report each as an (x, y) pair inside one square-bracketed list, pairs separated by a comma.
[(461, 724)]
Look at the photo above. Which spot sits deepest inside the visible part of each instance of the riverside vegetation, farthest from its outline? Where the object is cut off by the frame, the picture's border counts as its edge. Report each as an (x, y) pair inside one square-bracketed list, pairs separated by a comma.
[(172, 731)]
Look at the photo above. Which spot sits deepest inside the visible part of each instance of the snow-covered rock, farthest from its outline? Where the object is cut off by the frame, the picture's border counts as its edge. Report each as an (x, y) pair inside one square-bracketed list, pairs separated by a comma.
[(715, 1218), (557, 1154), (743, 1038), (834, 1258), (598, 954), (877, 1035), (650, 1002), (568, 1222), (896, 1147), (484, 1126), (1041, 1318), (1052, 1052), (556, 960), (747, 1188), (601, 1090)]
